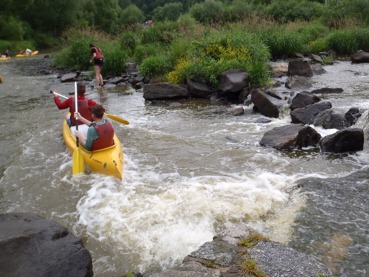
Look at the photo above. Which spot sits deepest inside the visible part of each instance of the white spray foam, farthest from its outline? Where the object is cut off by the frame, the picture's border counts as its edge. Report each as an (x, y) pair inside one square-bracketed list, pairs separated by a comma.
[(163, 217)]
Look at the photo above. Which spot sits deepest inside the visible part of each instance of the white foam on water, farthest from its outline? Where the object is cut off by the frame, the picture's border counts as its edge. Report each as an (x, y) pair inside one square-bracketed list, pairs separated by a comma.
[(161, 218)]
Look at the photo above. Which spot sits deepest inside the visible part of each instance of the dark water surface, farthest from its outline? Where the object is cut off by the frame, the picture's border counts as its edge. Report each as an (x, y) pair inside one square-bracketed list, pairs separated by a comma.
[(189, 170)]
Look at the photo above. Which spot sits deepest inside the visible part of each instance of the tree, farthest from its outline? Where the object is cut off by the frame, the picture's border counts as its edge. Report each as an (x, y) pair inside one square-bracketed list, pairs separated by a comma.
[(170, 11), (108, 15), (211, 11), (132, 15), (48, 16)]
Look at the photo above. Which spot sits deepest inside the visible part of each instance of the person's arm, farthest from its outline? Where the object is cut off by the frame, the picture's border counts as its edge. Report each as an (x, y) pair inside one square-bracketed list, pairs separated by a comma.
[(62, 105)]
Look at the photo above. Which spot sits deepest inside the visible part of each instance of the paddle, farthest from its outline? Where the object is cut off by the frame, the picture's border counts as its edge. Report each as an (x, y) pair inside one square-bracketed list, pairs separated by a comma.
[(111, 116), (77, 155)]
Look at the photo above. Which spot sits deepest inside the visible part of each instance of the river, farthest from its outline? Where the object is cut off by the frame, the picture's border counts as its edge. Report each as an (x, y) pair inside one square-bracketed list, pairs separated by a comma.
[(190, 170)]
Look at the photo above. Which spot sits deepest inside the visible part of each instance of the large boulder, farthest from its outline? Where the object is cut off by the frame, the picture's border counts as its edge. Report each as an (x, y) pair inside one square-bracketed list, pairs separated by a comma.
[(293, 136), (70, 77), (300, 68), (352, 115), (198, 89), (265, 104), (308, 114), (330, 119), (298, 83), (303, 99), (160, 91), (327, 90), (360, 57), (33, 246), (347, 140), (233, 81)]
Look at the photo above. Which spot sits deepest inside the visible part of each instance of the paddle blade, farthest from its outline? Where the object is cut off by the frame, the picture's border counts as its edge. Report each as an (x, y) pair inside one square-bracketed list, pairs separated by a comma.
[(117, 118), (78, 165)]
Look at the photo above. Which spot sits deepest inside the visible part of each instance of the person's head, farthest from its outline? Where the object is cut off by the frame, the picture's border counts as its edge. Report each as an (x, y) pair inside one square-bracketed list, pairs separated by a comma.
[(97, 111), (91, 45), (81, 88)]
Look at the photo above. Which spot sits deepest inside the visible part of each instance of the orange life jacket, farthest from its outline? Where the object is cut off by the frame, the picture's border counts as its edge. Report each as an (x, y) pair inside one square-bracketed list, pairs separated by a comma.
[(106, 134)]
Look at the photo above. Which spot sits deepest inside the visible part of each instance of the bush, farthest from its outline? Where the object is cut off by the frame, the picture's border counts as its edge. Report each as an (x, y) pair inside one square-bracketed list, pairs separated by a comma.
[(128, 41), (114, 60), (218, 52), (291, 10), (179, 48), (318, 45), (362, 38), (162, 32), (343, 42), (282, 42), (144, 51), (342, 13), (155, 66), (76, 55), (348, 41)]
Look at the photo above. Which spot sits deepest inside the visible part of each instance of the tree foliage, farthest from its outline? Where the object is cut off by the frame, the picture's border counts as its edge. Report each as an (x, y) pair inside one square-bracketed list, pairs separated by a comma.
[(132, 15), (170, 11)]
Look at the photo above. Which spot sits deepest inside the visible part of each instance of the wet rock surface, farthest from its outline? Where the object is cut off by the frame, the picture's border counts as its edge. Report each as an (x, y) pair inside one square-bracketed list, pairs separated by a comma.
[(225, 257), (33, 246)]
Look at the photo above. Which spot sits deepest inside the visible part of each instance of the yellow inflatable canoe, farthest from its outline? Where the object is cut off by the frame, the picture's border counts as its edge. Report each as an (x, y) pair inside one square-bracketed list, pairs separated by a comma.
[(108, 161), (26, 55), (4, 58)]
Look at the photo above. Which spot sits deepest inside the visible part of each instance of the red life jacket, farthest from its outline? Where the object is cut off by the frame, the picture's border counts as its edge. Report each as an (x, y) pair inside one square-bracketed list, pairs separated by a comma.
[(106, 134), (99, 55), (82, 109)]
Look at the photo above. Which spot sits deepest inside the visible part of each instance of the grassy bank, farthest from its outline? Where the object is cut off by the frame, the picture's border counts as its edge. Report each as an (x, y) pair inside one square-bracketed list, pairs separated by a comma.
[(173, 51)]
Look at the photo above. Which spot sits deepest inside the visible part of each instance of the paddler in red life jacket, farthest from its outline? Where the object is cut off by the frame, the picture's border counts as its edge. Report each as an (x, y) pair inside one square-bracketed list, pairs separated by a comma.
[(100, 133), (84, 104), (98, 60)]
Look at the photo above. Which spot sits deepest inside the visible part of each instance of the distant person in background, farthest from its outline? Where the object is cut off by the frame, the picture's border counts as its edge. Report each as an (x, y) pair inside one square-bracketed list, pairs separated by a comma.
[(28, 51), (98, 60), (84, 104), (100, 132), (6, 53)]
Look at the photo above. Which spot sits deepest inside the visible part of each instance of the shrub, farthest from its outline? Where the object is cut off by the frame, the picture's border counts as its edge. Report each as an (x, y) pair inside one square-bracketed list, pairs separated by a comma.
[(128, 41), (114, 59), (318, 45), (218, 52), (162, 32), (155, 66), (179, 48), (186, 22), (282, 42), (343, 42), (144, 51), (339, 14), (76, 55), (291, 10), (348, 41), (311, 31), (362, 38)]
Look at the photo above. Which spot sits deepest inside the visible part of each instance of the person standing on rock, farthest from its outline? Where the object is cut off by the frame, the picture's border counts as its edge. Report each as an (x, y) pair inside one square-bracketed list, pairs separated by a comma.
[(98, 60)]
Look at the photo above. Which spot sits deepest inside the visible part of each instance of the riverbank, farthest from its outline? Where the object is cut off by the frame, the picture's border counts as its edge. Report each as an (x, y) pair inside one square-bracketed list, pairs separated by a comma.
[(169, 205)]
